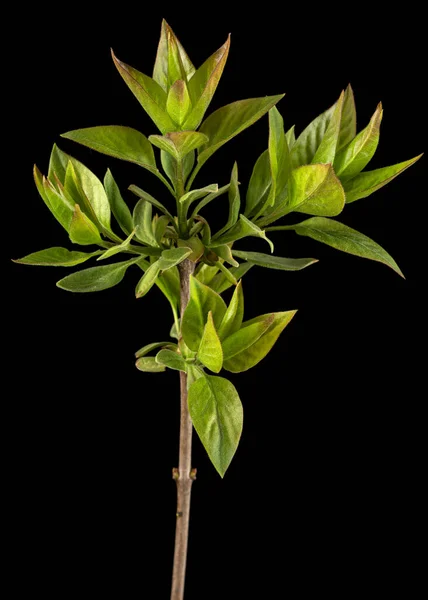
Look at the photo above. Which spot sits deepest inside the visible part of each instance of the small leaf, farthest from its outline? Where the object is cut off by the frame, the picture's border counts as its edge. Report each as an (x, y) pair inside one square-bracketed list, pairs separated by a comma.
[(279, 155), (226, 122), (96, 279), (196, 246), (310, 139), (203, 84), (148, 93), (217, 415), (260, 182), (169, 44), (178, 102), (143, 222), (118, 206), (220, 283), (161, 223), (124, 143), (209, 199), (148, 364), (358, 153), (234, 314), (61, 209), (171, 258), (179, 143), (171, 359), (348, 127), (118, 248), (168, 282), (243, 228), (153, 346), (190, 197), (226, 272), (344, 238), (290, 136), (315, 190), (56, 257), (210, 352), (327, 149), (275, 262), (225, 253), (148, 280), (254, 353), (234, 202), (367, 182), (206, 273), (148, 198), (82, 230), (57, 165), (202, 300)]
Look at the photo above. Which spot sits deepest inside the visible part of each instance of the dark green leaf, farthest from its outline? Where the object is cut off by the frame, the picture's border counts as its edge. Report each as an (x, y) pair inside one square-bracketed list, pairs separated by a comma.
[(275, 262), (210, 352), (217, 415), (327, 149), (315, 190), (348, 127), (56, 257), (179, 143), (118, 206), (96, 279), (171, 359), (82, 230), (234, 314)]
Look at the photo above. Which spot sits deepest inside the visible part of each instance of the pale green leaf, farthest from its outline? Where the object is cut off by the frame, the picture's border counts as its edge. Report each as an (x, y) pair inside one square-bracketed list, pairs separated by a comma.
[(234, 202), (243, 228), (190, 197), (309, 140), (206, 273), (247, 335), (327, 149), (148, 198), (195, 244), (171, 359), (118, 206), (56, 257), (179, 143), (61, 209), (148, 364), (224, 251), (82, 230), (174, 256), (153, 346), (217, 415), (148, 280), (165, 48), (209, 199), (96, 279), (315, 190), (290, 137), (57, 165), (118, 248), (220, 283), (234, 314), (275, 262), (142, 217), (210, 352), (178, 102), (159, 227), (260, 182), (348, 127)]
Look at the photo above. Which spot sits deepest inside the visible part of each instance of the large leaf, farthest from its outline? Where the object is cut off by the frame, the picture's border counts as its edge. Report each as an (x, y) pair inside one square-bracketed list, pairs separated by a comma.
[(210, 352), (243, 228), (118, 206), (148, 280), (56, 257), (234, 314), (171, 359), (348, 127), (368, 182), (178, 102), (226, 122), (120, 142), (82, 230), (255, 352), (358, 153), (179, 143), (217, 415), (234, 202), (260, 182), (344, 238), (310, 139), (172, 257), (168, 49), (315, 190), (327, 149), (202, 300), (203, 85), (96, 279), (149, 94), (275, 262)]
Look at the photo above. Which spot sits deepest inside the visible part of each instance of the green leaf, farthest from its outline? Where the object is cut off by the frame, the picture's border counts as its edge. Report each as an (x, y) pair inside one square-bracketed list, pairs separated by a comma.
[(206, 273), (118, 206), (260, 182), (344, 238), (234, 314), (171, 359), (275, 262), (148, 280), (348, 127), (168, 282), (169, 44), (179, 143), (310, 139), (148, 364), (234, 202), (358, 153), (315, 190), (209, 199), (120, 142), (279, 155), (255, 352), (224, 251), (290, 136), (148, 198), (202, 300), (174, 256), (82, 230), (210, 352), (203, 85), (153, 346), (148, 93), (178, 102), (217, 415), (367, 182), (61, 209), (239, 341), (143, 222), (56, 257), (118, 248), (159, 227), (226, 272), (220, 283), (190, 197), (243, 228), (327, 149), (57, 165), (96, 279), (226, 122), (196, 246)]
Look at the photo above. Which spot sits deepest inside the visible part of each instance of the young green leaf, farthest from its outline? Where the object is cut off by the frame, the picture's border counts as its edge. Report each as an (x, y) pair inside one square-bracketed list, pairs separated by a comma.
[(224, 251), (148, 364), (169, 44), (174, 256), (143, 222), (220, 283), (190, 197), (159, 227), (168, 282), (82, 230), (96, 279), (243, 228), (367, 182), (260, 183), (203, 85), (226, 122), (234, 202), (149, 94), (179, 143), (310, 139), (57, 165), (202, 301), (206, 273), (344, 238), (290, 136), (61, 209), (153, 346), (196, 246), (348, 126), (124, 143), (315, 190), (148, 280), (327, 149), (178, 102), (279, 156), (209, 199), (217, 415), (56, 257), (358, 153), (251, 355), (210, 352), (234, 314), (148, 198), (123, 247), (246, 336), (118, 206), (171, 359), (275, 262)]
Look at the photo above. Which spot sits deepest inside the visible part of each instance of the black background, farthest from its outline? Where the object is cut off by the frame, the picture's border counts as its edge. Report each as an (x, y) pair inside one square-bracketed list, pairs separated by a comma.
[(324, 493)]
